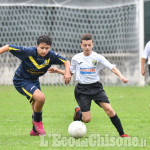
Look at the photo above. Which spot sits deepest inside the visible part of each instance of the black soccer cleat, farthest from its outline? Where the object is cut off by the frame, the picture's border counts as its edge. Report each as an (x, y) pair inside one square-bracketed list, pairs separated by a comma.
[(77, 114)]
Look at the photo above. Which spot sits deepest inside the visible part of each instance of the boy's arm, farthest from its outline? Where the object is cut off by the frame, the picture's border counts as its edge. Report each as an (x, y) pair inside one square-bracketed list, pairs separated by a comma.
[(4, 49), (143, 60), (56, 70), (60, 71), (118, 73), (67, 74)]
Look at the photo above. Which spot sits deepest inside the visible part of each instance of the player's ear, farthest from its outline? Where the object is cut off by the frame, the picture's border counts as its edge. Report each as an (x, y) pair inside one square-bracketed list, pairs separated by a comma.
[(92, 43), (80, 44)]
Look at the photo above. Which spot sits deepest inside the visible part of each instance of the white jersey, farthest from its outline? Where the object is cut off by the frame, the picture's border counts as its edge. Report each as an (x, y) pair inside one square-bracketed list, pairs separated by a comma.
[(86, 68), (146, 52)]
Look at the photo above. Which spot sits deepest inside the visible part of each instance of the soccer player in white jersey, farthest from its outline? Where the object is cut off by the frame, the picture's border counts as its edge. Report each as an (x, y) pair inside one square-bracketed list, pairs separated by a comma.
[(85, 66), (145, 55)]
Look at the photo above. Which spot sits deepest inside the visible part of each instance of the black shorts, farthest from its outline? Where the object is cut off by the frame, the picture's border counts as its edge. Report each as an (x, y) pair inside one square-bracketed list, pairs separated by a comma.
[(85, 93), (149, 69)]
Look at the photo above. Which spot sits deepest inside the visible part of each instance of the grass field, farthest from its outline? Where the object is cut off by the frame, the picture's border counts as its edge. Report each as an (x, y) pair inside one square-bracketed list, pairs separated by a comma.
[(130, 103)]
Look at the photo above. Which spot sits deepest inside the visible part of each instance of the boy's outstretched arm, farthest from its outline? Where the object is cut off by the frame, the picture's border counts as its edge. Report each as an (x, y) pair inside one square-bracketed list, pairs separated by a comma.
[(118, 73), (56, 70), (66, 72), (4, 49)]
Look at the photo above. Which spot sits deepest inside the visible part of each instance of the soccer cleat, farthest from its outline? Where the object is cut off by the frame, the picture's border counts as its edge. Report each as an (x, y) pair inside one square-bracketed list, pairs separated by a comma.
[(32, 133), (124, 135), (76, 114), (39, 128)]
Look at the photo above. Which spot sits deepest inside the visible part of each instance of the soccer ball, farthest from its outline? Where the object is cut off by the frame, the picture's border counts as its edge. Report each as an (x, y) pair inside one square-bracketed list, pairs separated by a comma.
[(77, 129)]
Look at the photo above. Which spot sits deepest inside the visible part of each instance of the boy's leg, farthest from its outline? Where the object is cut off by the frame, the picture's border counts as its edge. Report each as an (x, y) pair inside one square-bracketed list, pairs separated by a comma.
[(39, 100), (86, 116), (108, 109), (34, 95), (83, 116), (113, 117), (84, 101), (82, 112), (33, 131)]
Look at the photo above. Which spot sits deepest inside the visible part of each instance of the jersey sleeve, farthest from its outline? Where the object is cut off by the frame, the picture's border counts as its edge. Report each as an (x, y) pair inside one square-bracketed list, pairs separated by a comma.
[(105, 62), (19, 51), (57, 59), (73, 66), (146, 51)]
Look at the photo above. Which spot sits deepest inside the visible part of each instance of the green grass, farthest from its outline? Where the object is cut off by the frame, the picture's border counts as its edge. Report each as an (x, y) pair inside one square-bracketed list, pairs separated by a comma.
[(130, 103)]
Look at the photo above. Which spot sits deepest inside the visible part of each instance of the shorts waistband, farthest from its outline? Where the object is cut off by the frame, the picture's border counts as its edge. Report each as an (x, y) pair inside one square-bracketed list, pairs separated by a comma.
[(88, 84)]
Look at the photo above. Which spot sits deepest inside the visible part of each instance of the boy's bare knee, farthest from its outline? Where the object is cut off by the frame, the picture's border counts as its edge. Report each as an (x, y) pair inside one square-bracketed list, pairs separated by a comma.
[(86, 119), (110, 112), (42, 99), (39, 96)]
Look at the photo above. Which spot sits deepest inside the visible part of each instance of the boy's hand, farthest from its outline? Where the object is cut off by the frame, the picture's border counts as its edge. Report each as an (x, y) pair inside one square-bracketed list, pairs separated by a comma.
[(67, 78), (53, 70), (143, 72), (124, 79)]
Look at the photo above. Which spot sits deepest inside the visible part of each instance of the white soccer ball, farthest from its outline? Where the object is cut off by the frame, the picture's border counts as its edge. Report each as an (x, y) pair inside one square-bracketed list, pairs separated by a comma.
[(77, 129)]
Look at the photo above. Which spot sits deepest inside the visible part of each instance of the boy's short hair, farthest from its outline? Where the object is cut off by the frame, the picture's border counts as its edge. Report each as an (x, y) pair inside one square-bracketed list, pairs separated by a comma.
[(44, 39), (86, 36)]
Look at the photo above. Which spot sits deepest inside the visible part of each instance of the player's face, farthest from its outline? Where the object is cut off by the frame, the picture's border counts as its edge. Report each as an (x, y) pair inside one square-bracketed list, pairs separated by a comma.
[(43, 49), (87, 46)]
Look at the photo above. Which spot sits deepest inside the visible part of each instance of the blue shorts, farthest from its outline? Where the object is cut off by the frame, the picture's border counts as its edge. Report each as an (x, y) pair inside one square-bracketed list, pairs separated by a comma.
[(26, 87)]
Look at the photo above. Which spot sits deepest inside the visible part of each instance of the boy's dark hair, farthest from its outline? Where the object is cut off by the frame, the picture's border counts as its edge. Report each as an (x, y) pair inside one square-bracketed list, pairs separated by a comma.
[(86, 36), (44, 39)]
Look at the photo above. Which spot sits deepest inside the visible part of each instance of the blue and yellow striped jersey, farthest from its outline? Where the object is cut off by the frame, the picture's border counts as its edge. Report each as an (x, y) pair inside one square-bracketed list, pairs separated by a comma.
[(33, 65)]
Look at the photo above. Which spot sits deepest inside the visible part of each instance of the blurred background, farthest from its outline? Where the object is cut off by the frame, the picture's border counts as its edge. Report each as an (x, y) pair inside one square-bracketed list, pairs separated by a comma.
[(120, 29)]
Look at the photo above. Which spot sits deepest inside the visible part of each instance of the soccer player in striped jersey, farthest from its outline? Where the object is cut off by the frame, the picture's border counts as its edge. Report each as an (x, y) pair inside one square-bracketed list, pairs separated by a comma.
[(35, 63), (86, 66), (145, 56)]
